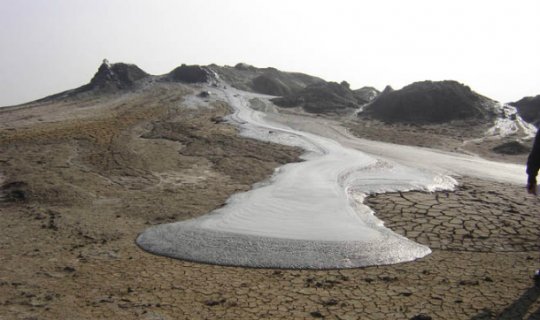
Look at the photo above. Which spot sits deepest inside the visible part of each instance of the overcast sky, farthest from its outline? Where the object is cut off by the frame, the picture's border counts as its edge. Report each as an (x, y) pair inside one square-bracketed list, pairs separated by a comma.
[(48, 46)]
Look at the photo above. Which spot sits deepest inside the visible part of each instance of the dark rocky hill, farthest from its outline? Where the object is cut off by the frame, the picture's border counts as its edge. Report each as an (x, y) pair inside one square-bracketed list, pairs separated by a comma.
[(264, 80), (323, 97), (109, 78), (430, 102), (529, 109), (116, 76), (366, 94), (190, 74), (512, 148)]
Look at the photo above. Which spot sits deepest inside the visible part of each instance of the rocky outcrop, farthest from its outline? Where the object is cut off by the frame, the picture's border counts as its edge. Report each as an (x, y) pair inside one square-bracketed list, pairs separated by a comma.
[(116, 76), (109, 78), (366, 94), (266, 84), (190, 74), (430, 102), (269, 81), (324, 97), (529, 109), (14, 191), (512, 148)]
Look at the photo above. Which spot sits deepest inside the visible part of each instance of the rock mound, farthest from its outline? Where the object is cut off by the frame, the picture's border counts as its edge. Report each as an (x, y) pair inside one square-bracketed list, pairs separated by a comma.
[(366, 94), (14, 191), (190, 74), (430, 102), (245, 67), (529, 109), (324, 97), (264, 80), (266, 84), (108, 79), (116, 76), (512, 148)]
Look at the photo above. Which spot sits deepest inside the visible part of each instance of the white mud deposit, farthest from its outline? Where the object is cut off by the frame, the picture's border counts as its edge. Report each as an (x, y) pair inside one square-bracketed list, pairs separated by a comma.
[(442, 162), (509, 123), (308, 215)]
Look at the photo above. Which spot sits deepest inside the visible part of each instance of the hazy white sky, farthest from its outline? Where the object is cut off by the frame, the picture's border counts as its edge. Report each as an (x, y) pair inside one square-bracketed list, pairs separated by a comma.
[(48, 46)]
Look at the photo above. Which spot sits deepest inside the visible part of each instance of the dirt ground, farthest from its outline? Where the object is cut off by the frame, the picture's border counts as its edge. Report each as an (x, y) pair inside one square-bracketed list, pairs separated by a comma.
[(81, 179), (461, 137)]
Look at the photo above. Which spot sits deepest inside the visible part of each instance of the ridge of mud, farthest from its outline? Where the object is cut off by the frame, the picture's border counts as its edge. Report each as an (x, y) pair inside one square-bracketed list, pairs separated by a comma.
[(529, 109), (430, 102)]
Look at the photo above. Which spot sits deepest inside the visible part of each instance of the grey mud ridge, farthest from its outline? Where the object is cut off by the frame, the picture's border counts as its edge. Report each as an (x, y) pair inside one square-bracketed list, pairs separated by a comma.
[(232, 249)]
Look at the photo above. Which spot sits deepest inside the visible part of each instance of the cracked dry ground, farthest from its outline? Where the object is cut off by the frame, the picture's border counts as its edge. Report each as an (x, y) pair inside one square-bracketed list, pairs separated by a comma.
[(67, 247)]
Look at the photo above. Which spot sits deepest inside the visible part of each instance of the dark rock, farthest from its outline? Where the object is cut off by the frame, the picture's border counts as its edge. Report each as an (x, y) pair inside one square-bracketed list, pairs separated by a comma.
[(529, 109), (264, 80), (14, 191), (388, 278), (204, 94), (316, 314), (245, 67), (270, 85), (345, 84), (108, 79), (324, 97), (387, 89), (217, 119), (116, 76), (212, 303), (343, 278), (190, 74), (331, 302), (512, 148), (469, 282), (69, 269), (430, 102), (366, 94), (421, 316)]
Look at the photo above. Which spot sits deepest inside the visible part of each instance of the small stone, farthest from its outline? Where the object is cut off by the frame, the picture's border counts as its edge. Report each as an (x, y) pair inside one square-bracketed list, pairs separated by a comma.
[(212, 303), (469, 283), (69, 269), (369, 280), (331, 302)]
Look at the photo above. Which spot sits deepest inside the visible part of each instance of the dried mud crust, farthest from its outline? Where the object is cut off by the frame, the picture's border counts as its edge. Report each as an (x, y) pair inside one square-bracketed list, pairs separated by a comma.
[(68, 252), (478, 216)]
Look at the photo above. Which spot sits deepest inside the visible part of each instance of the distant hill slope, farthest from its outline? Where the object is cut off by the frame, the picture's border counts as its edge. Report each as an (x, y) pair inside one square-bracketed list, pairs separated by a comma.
[(322, 97), (190, 74), (116, 76), (264, 80), (430, 102), (366, 94), (328, 97), (108, 78), (529, 109)]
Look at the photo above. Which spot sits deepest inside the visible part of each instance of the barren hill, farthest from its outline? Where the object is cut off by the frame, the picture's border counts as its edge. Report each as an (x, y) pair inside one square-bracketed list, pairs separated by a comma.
[(529, 109), (430, 102), (269, 81)]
